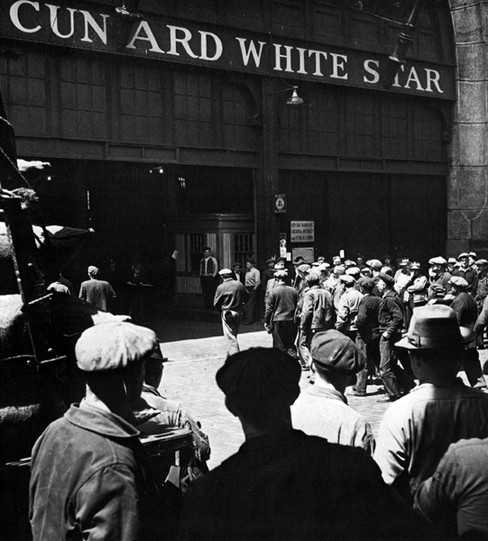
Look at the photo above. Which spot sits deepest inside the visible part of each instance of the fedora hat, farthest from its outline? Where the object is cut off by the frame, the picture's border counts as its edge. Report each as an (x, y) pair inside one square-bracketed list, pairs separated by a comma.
[(434, 326)]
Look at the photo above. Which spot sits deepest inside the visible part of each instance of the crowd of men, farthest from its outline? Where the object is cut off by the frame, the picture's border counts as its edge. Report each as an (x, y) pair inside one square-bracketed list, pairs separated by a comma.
[(310, 466), (370, 302)]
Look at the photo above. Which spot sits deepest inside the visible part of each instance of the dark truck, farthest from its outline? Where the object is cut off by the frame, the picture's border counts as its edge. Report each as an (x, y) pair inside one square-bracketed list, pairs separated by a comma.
[(39, 378)]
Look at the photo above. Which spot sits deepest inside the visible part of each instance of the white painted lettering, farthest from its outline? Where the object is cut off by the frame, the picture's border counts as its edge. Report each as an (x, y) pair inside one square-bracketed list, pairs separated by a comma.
[(371, 68), (251, 50), (14, 16), (90, 22), (433, 77), (286, 56), (174, 40), (396, 81), (204, 46), (144, 33), (301, 60), (339, 64), (413, 78), (54, 18), (318, 55)]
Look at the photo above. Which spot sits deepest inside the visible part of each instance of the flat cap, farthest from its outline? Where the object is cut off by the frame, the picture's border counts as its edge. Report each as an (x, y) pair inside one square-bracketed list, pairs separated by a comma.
[(367, 283), (452, 260), (280, 260), (353, 271), (404, 263), (113, 345), (474, 255), (386, 278), (415, 266), (386, 270), (347, 279), (462, 255), (375, 264), (92, 270), (280, 273), (481, 262), (270, 260), (304, 267), (366, 270), (260, 374), (333, 351), (225, 272), (323, 266), (439, 260), (458, 281), (299, 259)]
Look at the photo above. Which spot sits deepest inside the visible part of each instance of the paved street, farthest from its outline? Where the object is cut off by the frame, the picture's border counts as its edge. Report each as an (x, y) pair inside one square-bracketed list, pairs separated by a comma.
[(190, 378)]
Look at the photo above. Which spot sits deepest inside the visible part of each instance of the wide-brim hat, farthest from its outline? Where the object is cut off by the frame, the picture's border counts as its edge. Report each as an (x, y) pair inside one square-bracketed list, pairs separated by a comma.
[(435, 326)]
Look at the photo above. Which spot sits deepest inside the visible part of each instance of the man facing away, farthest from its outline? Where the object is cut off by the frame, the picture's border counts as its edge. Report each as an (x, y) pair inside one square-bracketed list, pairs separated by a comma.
[(279, 316), (89, 478), (282, 484), (321, 409), (230, 298), (95, 291), (417, 429), (209, 268)]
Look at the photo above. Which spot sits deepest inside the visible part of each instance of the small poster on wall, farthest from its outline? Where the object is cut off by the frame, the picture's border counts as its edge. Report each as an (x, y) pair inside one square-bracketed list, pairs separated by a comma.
[(306, 253), (302, 231)]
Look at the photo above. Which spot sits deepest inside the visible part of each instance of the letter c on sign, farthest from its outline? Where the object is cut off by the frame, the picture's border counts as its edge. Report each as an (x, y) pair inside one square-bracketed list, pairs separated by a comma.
[(14, 16)]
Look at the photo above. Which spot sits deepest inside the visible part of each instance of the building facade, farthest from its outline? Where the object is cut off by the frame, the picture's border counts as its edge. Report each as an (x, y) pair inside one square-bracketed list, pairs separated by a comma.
[(168, 127)]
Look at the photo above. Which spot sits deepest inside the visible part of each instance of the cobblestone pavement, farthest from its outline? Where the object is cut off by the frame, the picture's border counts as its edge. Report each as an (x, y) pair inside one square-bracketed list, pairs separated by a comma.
[(190, 378)]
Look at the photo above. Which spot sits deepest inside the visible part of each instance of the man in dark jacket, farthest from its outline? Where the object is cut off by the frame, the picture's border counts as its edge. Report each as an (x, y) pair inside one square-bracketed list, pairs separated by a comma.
[(390, 319), (368, 336), (466, 311), (282, 484), (467, 272), (230, 298), (279, 316), (89, 478)]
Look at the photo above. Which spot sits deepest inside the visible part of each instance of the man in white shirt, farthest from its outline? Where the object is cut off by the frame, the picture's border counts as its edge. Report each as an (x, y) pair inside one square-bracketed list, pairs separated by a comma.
[(209, 268), (252, 281)]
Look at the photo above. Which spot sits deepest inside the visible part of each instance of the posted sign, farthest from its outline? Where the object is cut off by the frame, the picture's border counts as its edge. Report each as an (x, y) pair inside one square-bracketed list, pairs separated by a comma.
[(302, 231)]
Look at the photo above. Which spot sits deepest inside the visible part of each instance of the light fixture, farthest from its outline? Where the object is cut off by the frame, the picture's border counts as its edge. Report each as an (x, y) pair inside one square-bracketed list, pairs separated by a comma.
[(158, 169), (295, 98), (182, 181)]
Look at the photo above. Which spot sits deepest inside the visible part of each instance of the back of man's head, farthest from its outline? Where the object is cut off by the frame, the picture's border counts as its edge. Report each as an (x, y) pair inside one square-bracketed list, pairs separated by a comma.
[(259, 383)]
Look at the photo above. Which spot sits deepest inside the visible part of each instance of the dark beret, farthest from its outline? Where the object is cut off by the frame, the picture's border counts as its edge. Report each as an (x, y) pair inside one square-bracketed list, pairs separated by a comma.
[(333, 351), (260, 374), (367, 283)]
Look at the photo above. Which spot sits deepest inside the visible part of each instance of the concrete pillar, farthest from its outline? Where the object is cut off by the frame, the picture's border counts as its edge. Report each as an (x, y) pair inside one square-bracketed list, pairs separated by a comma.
[(467, 205)]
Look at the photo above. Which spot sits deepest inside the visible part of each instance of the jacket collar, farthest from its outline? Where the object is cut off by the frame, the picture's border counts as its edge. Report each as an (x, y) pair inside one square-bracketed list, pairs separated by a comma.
[(101, 422)]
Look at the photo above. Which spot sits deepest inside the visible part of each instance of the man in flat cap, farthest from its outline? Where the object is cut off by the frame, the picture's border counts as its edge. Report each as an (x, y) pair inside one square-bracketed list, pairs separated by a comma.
[(466, 271), (317, 314), (438, 276), (97, 292), (466, 311), (230, 297), (347, 309), (88, 476), (282, 484), (368, 336), (279, 315), (321, 409), (390, 319), (417, 429)]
